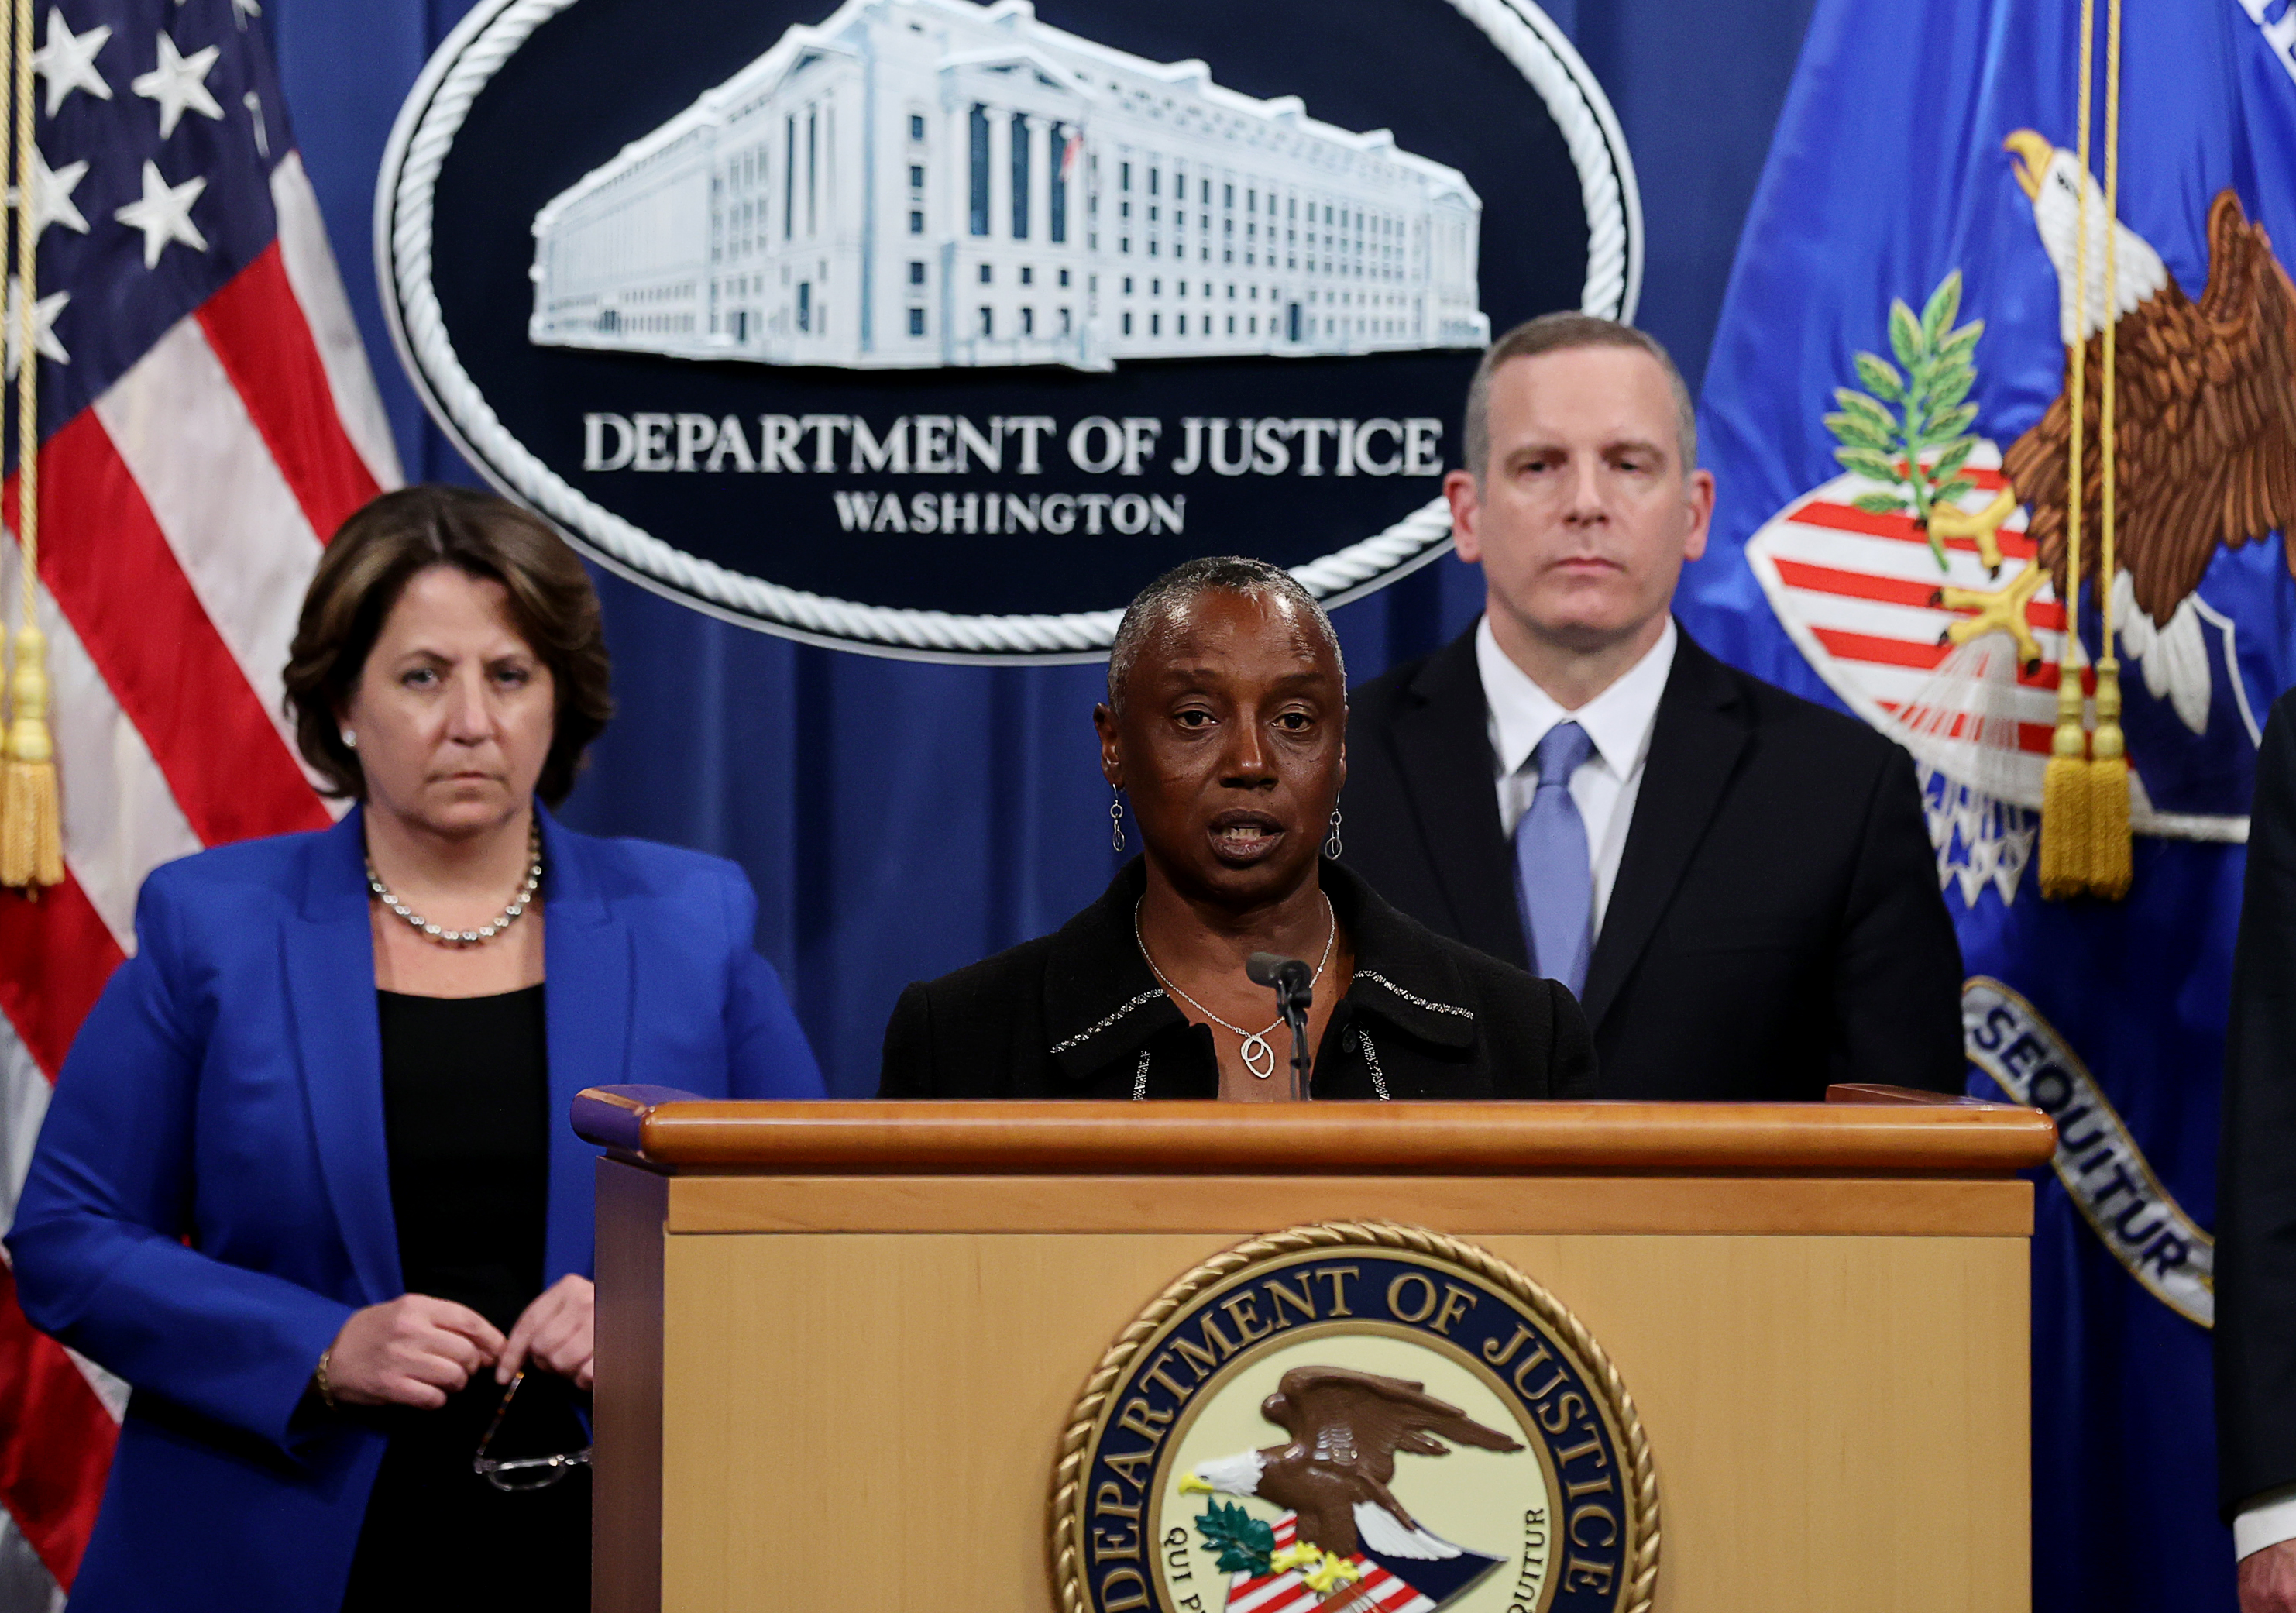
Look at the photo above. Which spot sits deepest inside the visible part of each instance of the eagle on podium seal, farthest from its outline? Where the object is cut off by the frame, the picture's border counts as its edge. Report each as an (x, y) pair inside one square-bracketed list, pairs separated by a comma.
[(1354, 1418)]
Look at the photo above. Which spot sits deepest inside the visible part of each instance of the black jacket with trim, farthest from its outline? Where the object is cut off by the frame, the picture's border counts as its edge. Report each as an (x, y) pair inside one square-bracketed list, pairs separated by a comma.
[(1076, 1014)]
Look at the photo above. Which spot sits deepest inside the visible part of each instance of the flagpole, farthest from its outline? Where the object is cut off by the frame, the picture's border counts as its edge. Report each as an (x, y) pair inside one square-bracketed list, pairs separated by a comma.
[(31, 828), (2113, 870), (2066, 838)]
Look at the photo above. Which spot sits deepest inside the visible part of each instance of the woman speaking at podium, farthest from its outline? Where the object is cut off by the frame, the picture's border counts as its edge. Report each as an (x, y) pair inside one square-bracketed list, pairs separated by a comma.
[(1226, 724), (306, 1182)]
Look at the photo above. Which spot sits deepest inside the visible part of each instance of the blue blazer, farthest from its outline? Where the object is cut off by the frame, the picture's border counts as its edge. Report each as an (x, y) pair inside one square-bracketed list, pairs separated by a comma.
[(209, 1199)]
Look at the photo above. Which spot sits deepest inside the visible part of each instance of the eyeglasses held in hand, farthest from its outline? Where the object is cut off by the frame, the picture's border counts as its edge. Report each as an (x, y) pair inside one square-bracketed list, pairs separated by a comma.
[(524, 1472)]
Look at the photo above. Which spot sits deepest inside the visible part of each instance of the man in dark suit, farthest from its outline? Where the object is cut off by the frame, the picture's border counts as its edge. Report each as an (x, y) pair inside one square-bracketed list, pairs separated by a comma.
[(2255, 1335), (1737, 882)]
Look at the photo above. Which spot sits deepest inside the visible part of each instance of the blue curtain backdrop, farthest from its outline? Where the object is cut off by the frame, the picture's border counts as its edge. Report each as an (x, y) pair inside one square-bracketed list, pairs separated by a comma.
[(899, 821)]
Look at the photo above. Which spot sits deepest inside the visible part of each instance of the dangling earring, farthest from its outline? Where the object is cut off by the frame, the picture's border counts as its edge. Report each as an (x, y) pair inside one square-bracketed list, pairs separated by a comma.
[(1331, 846), (1116, 821)]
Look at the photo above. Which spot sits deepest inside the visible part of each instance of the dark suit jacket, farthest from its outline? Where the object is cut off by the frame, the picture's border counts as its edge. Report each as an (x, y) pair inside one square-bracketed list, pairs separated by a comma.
[(1076, 1014), (209, 1199), (2255, 1333), (1775, 924)]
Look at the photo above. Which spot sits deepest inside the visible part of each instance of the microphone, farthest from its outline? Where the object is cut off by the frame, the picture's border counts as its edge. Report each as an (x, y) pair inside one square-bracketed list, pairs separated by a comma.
[(1293, 979), (1294, 984)]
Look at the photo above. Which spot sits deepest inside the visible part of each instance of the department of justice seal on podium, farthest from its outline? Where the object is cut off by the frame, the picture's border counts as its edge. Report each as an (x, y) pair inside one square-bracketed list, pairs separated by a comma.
[(1354, 1418)]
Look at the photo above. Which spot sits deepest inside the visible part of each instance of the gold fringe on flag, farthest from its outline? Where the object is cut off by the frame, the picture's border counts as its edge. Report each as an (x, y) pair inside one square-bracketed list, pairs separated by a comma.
[(31, 815), (2067, 824), (2113, 866)]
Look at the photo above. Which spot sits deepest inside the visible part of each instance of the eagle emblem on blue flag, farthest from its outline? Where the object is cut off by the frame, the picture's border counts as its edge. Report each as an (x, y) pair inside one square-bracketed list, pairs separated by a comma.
[(1925, 582)]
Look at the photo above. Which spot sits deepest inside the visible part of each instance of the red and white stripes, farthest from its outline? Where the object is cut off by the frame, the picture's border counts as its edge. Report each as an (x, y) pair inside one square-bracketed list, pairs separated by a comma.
[(1375, 1591), (182, 518)]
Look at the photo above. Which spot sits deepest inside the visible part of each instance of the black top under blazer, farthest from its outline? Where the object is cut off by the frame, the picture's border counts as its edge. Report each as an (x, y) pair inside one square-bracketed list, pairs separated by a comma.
[(1076, 1014), (1775, 924)]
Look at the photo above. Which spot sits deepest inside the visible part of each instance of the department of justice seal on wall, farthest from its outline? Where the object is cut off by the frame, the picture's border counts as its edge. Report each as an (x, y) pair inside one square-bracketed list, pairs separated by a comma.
[(1354, 1418), (936, 328)]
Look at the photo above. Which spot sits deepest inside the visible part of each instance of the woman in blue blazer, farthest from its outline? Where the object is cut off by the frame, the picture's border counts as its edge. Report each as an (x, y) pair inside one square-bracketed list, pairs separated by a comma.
[(255, 1137)]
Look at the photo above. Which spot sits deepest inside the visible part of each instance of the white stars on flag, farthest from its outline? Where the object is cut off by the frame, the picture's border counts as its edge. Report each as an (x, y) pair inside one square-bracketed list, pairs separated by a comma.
[(68, 60), (178, 84), (44, 327), (164, 212), (212, 415), (52, 194)]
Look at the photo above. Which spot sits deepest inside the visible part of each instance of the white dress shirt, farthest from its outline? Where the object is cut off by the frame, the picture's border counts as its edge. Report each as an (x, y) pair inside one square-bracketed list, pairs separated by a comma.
[(1619, 720), (2269, 1521)]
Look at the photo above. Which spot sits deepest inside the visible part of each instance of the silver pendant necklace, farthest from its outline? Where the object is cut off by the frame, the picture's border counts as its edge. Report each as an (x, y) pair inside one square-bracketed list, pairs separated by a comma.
[(1258, 1052), (487, 931)]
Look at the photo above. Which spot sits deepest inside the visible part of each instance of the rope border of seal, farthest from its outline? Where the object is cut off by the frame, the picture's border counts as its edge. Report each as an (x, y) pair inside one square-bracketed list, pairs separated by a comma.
[(476, 50), (1640, 1481)]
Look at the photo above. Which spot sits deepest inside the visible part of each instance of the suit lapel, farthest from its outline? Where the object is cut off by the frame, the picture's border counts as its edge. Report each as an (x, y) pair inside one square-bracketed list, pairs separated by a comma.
[(1443, 744), (1695, 744), (588, 966), (327, 958)]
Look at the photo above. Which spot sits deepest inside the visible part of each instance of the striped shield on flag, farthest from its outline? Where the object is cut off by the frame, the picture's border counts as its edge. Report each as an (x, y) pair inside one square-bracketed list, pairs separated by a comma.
[(1859, 592), (1862, 594)]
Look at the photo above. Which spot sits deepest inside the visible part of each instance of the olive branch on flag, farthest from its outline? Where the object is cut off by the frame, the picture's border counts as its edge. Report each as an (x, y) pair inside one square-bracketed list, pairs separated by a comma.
[(1922, 449), (1244, 1542)]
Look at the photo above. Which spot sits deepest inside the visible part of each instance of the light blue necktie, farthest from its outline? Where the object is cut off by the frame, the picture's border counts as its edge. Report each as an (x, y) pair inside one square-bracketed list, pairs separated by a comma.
[(1553, 875)]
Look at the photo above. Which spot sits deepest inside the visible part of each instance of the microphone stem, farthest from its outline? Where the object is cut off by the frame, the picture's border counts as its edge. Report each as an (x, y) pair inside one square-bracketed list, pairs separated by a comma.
[(1295, 1017)]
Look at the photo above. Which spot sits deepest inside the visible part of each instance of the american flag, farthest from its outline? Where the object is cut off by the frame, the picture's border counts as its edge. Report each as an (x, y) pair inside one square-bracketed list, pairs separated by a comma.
[(207, 419)]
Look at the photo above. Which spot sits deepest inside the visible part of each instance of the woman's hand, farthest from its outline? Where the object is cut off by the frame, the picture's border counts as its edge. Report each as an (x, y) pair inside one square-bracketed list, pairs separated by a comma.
[(558, 1330), (412, 1351)]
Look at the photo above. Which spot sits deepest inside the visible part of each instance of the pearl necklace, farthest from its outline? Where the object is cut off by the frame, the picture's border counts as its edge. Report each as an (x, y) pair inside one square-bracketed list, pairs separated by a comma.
[(485, 932), (1258, 1052)]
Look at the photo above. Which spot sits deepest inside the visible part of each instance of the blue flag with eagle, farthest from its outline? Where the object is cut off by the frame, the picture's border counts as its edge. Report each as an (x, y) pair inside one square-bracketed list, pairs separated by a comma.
[(1885, 412)]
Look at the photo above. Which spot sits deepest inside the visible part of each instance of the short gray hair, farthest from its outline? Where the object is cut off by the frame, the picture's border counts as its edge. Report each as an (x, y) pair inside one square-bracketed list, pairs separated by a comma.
[(1156, 603), (1560, 333)]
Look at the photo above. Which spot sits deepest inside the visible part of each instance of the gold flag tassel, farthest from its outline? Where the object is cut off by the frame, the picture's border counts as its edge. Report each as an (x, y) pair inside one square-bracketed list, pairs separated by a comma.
[(31, 815), (31, 811), (2112, 869), (2067, 829)]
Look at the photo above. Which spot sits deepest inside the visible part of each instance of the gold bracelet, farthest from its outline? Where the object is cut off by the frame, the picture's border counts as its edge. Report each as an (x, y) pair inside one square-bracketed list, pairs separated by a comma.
[(326, 1389)]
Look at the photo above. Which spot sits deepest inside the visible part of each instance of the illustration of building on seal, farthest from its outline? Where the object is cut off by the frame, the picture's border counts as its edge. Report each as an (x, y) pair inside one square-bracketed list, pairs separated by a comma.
[(926, 183)]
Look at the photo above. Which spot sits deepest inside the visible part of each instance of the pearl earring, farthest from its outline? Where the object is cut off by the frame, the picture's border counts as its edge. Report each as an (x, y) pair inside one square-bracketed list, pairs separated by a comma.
[(350, 740)]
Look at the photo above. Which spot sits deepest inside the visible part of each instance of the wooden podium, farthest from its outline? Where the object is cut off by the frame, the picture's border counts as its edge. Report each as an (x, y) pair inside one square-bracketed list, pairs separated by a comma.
[(838, 1341)]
